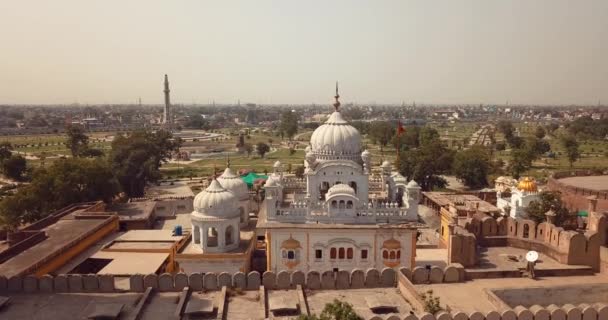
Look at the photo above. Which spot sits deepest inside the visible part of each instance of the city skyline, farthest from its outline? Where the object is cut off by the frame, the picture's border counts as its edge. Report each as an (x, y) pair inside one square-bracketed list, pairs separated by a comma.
[(473, 52)]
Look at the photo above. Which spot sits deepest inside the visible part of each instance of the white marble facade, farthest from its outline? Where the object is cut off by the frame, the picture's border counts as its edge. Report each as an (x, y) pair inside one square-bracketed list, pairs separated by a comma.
[(342, 249), (339, 204)]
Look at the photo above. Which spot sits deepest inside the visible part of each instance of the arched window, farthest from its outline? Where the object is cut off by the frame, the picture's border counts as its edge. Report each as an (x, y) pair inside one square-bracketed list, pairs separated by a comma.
[(384, 254), (212, 237), (392, 255), (332, 253), (229, 234), (526, 231), (353, 185), (291, 255), (349, 204), (334, 204), (341, 205), (349, 253), (341, 253), (399, 254), (323, 189)]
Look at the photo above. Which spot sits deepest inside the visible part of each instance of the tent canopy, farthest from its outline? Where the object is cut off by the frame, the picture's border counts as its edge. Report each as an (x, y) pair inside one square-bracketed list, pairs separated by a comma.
[(251, 177)]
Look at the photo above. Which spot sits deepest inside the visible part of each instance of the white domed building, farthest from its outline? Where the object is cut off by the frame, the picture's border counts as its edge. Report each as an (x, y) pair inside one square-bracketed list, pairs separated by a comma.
[(340, 215), (513, 197), (220, 242), (233, 183), (215, 219)]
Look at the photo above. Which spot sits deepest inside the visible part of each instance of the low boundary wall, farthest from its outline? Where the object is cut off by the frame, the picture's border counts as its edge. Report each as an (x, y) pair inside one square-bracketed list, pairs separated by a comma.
[(403, 279)]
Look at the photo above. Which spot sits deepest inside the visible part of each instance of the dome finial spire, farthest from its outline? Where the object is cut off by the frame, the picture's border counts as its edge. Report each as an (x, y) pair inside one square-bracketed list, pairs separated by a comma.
[(337, 97)]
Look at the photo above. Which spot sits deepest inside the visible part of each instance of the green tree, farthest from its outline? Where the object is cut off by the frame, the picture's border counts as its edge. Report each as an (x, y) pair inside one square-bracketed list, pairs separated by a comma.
[(336, 310), (196, 121), (6, 149), (289, 124), (540, 132), (65, 182), (262, 149), (299, 172), (472, 167), (428, 135), (571, 145), (136, 158), (426, 163), (547, 200), (506, 128), (248, 148), (536, 147), (14, 167), (381, 132), (521, 161), (77, 141)]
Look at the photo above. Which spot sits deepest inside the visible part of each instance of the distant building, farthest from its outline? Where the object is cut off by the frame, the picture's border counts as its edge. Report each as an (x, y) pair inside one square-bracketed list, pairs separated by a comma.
[(513, 200)]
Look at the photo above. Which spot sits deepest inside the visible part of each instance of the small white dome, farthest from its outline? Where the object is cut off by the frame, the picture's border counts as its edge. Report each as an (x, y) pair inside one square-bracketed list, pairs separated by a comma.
[(386, 164), (232, 182), (216, 201), (398, 178), (340, 189), (336, 137), (270, 182), (412, 184), (277, 164)]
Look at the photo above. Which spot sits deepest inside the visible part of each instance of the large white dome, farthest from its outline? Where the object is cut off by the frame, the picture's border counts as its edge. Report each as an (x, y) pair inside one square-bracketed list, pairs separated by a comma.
[(336, 138), (232, 182), (215, 201)]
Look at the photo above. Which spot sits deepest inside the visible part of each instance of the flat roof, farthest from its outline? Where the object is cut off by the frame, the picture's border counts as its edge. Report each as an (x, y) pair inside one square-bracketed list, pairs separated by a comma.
[(149, 235), (127, 263), (597, 183), (359, 299), (142, 245), (460, 201), (470, 296), (140, 210), (60, 234)]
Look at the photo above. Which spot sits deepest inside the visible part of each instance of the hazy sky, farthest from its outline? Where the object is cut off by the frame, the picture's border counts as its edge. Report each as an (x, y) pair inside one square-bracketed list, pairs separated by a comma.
[(465, 51)]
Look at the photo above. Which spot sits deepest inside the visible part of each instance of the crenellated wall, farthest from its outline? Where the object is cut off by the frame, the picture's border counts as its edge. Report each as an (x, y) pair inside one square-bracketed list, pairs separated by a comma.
[(565, 246), (404, 280)]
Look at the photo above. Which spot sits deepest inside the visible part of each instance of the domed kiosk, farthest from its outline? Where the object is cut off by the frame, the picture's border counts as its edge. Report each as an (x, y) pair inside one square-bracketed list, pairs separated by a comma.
[(215, 219), (233, 183)]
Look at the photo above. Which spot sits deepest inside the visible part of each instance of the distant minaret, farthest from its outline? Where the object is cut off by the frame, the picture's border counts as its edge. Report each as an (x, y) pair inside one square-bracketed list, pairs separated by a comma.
[(337, 97), (167, 117)]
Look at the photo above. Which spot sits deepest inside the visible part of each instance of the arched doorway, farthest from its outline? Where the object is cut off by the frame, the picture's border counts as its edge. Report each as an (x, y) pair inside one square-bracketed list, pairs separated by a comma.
[(229, 234)]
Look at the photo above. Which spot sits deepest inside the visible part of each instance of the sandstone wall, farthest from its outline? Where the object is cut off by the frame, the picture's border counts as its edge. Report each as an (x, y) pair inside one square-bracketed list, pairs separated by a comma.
[(568, 247)]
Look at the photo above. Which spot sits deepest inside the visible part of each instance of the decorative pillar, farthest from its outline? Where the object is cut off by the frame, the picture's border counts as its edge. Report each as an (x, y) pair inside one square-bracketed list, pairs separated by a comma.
[(196, 233), (205, 234)]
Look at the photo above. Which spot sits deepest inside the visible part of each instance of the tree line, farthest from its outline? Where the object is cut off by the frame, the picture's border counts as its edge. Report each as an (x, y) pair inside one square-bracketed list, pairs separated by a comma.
[(90, 175)]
